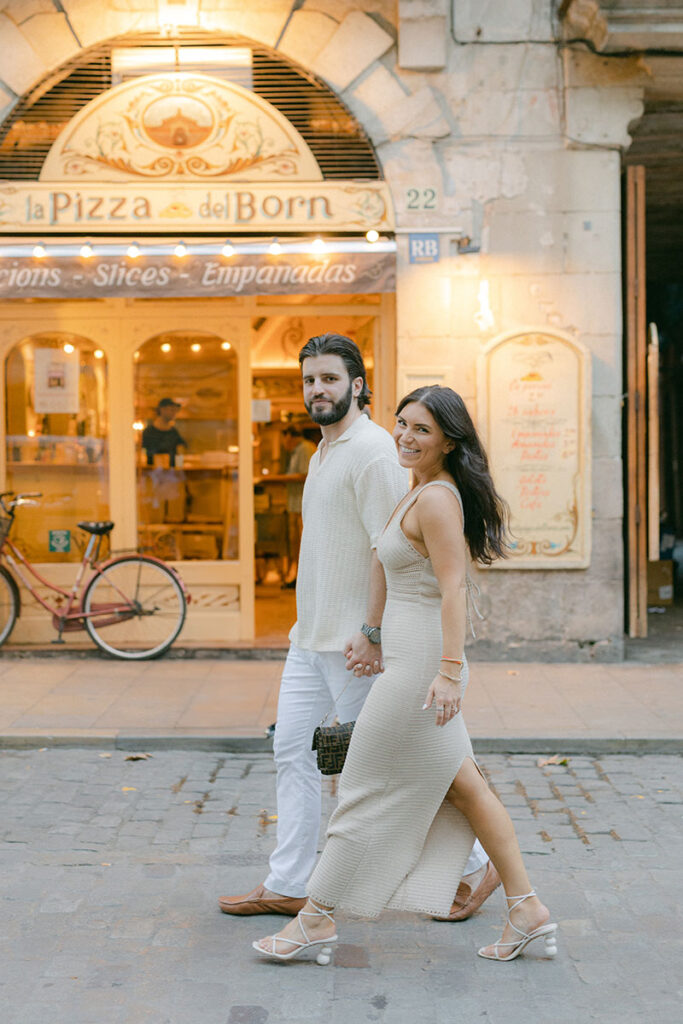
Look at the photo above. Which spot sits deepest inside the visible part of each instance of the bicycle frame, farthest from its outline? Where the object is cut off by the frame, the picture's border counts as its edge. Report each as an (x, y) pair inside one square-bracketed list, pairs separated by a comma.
[(73, 618), (21, 566)]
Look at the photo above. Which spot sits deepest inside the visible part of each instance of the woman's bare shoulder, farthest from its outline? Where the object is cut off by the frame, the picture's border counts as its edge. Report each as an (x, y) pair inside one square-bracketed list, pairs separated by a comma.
[(437, 504)]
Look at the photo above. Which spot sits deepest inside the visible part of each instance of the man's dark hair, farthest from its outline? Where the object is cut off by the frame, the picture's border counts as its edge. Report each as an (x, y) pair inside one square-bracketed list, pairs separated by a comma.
[(339, 345)]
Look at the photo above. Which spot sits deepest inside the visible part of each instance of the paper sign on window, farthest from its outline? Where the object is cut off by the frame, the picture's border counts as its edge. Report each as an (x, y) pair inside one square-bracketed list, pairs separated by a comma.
[(56, 381)]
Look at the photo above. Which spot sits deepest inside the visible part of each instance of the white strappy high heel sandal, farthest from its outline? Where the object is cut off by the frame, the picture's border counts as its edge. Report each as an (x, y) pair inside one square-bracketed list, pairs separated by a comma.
[(320, 949), (548, 932)]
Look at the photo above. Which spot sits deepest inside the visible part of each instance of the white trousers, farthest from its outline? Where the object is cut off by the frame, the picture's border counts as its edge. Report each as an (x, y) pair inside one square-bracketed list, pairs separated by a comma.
[(312, 682)]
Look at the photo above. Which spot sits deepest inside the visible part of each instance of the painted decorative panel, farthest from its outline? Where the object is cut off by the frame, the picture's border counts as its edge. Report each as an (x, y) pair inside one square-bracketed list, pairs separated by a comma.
[(534, 416), (179, 126)]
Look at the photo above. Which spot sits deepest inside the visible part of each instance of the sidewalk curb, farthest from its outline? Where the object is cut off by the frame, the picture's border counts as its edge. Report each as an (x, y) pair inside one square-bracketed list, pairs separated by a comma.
[(581, 745)]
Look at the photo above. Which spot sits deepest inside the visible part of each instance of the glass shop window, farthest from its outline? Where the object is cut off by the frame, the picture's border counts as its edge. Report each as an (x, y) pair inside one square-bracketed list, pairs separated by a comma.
[(57, 430), (187, 446)]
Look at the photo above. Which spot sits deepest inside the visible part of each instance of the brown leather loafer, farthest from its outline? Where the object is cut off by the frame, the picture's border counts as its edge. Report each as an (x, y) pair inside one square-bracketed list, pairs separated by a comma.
[(466, 901), (259, 902)]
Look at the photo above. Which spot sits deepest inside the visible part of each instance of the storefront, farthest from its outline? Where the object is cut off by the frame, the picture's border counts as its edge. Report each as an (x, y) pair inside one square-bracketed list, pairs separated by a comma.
[(188, 191), (153, 378)]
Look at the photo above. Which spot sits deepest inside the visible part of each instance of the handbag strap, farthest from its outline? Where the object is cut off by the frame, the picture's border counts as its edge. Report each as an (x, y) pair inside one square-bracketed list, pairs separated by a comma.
[(334, 703)]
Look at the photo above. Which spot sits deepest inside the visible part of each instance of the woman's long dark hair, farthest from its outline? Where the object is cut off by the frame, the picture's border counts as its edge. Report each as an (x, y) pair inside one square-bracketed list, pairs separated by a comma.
[(486, 514)]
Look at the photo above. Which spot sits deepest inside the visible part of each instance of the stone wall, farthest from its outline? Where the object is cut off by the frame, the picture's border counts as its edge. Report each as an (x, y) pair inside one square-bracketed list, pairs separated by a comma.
[(520, 140)]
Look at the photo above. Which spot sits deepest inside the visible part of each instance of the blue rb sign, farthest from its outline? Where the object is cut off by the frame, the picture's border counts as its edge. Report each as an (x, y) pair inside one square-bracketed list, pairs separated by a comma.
[(423, 248)]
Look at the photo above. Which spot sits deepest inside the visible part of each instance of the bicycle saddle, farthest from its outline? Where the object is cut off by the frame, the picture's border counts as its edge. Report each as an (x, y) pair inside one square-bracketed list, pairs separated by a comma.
[(99, 528)]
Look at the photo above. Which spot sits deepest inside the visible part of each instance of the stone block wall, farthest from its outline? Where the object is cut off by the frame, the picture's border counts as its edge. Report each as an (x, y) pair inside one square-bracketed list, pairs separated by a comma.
[(519, 139)]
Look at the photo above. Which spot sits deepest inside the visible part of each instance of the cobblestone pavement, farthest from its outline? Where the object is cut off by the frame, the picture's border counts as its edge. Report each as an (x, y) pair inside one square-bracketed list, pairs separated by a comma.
[(110, 871)]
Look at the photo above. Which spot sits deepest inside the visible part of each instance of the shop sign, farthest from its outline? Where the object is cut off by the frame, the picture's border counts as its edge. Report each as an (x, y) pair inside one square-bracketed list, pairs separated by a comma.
[(194, 207), (195, 275), (423, 248), (534, 396)]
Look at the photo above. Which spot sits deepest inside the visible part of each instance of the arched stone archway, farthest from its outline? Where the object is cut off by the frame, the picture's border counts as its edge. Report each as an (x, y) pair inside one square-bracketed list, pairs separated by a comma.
[(338, 48)]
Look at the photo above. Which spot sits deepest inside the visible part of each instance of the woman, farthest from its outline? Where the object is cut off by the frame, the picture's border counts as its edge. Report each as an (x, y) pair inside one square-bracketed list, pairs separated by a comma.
[(411, 797)]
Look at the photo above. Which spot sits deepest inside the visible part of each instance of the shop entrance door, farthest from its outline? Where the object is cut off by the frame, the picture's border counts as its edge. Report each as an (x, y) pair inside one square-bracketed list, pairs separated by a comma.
[(193, 458), (284, 437)]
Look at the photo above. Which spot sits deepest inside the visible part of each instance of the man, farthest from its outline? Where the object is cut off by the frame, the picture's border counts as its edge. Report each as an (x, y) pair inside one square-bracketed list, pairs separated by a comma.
[(161, 436), (354, 482)]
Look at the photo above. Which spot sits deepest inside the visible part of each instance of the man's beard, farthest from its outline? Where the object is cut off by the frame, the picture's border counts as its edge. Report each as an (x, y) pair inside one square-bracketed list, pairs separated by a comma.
[(337, 412)]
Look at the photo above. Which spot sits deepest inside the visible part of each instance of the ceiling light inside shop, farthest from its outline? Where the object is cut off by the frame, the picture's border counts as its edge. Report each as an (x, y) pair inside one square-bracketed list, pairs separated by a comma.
[(133, 251), (165, 347), (98, 353), (226, 346), (69, 348), (196, 347), (230, 62), (87, 251), (136, 355), (372, 235), (39, 251), (138, 425)]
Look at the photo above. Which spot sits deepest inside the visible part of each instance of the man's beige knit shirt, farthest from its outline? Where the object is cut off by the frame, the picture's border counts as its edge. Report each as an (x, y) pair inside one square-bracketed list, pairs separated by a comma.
[(347, 502)]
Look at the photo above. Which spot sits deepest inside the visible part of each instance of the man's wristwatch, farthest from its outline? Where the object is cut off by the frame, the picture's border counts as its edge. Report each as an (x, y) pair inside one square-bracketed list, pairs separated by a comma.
[(373, 633)]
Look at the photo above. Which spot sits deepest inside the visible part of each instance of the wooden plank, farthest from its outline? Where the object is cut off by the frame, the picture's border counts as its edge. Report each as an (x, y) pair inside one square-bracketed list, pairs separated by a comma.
[(653, 490), (636, 354)]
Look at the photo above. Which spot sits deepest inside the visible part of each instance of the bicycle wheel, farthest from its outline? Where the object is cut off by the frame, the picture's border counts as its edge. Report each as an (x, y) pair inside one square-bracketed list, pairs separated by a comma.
[(9, 604), (140, 608)]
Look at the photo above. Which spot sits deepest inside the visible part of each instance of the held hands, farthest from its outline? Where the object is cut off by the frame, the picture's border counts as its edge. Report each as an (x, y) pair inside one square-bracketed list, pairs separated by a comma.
[(447, 696), (362, 657)]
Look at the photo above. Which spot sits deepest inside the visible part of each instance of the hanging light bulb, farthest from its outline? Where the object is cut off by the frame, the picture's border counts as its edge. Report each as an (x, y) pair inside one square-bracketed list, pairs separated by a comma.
[(68, 348), (226, 346), (87, 251), (133, 251), (98, 353), (318, 245), (196, 347), (372, 235), (39, 251), (228, 249), (165, 347), (274, 248), (180, 250)]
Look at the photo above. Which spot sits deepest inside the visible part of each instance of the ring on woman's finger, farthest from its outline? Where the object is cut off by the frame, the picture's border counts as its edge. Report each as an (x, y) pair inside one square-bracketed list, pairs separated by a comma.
[(440, 707)]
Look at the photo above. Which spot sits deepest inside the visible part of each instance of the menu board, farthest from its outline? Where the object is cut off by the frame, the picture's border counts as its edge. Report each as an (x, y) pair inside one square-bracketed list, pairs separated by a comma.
[(533, 399)]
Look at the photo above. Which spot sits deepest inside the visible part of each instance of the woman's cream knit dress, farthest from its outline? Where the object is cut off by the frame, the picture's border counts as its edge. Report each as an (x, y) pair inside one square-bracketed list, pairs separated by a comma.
[(393, 840)]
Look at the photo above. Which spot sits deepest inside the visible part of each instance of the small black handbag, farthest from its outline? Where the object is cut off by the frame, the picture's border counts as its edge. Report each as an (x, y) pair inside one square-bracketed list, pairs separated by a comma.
[(331, 743)]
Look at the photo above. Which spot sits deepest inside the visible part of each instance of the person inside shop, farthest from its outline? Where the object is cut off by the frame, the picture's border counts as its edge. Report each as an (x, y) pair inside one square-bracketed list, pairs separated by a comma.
[(165, 487), (161, 436), (299, 451)]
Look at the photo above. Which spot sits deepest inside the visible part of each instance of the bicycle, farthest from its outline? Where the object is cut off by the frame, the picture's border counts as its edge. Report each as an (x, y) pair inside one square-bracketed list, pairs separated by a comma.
[(132, 606)]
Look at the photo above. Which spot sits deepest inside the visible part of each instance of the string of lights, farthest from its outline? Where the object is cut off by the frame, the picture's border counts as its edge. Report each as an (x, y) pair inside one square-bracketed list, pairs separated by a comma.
[(133, 250)]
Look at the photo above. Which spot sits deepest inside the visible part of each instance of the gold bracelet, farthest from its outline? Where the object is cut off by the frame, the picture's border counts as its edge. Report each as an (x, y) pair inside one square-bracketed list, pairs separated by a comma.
[(453, 679), (457, 661)]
